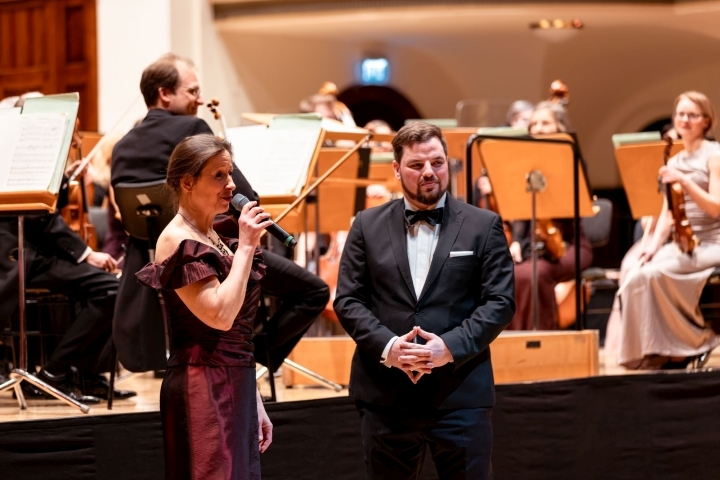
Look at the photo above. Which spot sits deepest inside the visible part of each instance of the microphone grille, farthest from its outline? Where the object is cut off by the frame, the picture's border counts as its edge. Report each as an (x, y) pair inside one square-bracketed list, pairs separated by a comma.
[(239, 201)]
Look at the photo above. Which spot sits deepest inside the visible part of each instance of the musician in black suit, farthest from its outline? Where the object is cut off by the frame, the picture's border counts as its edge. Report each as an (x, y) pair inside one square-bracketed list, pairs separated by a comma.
[(425, 284), (172, 93), (57, 259)]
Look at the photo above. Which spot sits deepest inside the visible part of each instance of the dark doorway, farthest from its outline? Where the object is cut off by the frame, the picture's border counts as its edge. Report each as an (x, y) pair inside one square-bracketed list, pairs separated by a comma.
[(372, 102), (657, 125)]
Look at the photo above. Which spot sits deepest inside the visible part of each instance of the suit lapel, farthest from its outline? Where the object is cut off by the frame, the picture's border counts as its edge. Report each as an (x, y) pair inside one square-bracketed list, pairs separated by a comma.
[(398, 239), (448, 233)]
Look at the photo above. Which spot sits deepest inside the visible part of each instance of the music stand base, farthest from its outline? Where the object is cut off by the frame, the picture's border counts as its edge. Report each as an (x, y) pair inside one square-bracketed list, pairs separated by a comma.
[(19, 376), (312, 375), (13, 383)]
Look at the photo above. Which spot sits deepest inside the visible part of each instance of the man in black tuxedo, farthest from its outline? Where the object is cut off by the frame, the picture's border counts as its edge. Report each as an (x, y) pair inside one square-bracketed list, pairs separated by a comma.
[(425, 284), (172, 94)]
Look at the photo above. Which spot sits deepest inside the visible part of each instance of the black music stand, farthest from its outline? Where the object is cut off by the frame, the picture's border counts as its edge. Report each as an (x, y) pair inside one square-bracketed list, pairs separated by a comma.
[(20, 373), (537, 161)]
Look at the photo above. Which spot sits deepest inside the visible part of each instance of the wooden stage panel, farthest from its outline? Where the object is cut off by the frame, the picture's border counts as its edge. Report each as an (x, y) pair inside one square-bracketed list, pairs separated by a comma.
[(531, 356), (516, 357), (327, 356)]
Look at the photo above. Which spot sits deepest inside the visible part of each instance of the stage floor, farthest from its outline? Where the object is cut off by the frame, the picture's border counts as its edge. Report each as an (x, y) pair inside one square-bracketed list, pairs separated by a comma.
[(148, 389)]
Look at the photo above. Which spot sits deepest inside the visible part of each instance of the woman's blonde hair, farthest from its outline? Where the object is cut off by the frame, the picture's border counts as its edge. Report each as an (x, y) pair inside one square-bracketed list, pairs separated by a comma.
[(703, 103)]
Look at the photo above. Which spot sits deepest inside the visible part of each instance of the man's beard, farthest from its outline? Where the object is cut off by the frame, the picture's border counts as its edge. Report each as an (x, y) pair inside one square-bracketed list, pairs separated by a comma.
[(428, 199)]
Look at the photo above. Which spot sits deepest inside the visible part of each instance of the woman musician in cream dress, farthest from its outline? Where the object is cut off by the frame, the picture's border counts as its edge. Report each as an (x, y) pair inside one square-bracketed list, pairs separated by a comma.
[(660, 321)]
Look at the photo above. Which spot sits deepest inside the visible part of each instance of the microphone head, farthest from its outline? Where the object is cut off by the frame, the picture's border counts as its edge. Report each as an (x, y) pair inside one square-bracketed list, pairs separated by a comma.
[(239, 201)]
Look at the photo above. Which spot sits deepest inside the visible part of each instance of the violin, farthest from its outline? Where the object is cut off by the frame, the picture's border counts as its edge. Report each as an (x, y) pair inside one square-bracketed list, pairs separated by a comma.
[(682, 233), (489, 202), (551, 236), (76, 212), (546, 229)]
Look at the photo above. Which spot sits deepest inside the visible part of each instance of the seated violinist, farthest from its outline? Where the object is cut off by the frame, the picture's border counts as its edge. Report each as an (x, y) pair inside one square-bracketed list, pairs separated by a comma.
[(660, 323), (547, 118)]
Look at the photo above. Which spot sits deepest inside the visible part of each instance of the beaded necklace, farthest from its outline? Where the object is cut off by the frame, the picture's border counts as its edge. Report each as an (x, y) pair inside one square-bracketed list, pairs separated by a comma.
[(217, 244)]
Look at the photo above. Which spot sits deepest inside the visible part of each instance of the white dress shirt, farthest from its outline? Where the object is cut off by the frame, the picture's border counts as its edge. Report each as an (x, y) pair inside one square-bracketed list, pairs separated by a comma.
[(422, 239)]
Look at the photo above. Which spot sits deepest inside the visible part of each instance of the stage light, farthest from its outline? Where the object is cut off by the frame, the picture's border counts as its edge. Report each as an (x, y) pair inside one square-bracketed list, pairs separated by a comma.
[(557, 30)]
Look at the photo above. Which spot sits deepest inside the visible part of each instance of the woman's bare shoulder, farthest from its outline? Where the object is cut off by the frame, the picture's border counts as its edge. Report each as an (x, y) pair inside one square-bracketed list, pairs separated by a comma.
[(169, 240)]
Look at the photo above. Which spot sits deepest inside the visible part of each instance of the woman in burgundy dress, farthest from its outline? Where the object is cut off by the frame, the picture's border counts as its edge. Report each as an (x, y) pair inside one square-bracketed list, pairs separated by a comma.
[(214, 422)]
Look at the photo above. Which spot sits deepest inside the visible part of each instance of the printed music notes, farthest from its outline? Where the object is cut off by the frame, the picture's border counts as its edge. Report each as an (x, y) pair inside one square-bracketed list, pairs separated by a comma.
[(274, 160), (29, 150)]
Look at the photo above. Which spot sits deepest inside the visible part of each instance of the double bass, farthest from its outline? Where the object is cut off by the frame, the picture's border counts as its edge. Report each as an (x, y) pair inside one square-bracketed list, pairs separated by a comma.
[(682, 233), (545, 228)]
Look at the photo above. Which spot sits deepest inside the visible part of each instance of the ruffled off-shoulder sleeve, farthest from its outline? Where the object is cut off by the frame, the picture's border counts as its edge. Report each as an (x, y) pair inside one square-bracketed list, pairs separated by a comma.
[(192, 261)]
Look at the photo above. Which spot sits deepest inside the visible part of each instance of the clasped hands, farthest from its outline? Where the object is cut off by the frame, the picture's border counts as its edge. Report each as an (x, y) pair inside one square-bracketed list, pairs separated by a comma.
[(415, 359)]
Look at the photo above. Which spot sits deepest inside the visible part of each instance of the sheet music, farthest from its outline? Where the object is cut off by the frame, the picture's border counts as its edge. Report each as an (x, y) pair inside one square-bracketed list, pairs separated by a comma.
[(275, 161), (29, 153)]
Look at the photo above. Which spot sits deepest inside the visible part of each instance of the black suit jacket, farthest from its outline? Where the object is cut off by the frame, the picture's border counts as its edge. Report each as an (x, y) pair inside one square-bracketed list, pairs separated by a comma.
[(466, 300), (143, 154)]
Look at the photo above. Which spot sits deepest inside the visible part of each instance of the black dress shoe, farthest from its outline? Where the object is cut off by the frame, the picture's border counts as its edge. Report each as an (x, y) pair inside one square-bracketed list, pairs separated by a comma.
[(98, 386), (677, 365), (66, 383), (29, 391), (702, 359)]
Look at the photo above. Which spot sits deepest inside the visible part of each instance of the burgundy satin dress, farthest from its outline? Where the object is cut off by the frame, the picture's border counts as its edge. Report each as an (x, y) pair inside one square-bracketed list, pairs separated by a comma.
[(208, 396)]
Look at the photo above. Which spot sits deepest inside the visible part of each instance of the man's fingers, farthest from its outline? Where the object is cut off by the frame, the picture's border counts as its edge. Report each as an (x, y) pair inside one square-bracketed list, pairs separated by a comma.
[(425, 335), (413, 346), (416, 352), (418, 367), (410, 376), (406, 360), (411, 334)]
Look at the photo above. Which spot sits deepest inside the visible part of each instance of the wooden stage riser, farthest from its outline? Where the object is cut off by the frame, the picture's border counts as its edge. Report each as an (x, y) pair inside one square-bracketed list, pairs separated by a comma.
[(516, 357)]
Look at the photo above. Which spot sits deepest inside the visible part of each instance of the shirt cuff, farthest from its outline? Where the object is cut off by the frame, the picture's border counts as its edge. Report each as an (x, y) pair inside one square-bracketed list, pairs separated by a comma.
[(85, 254), (386, 351)]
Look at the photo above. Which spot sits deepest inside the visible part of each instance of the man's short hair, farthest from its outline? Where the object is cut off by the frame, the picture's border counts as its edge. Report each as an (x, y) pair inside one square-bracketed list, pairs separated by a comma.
[(418, 132), (162, 73)]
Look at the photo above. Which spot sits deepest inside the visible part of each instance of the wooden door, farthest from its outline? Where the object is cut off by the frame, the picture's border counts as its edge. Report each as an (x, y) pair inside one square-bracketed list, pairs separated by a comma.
[(50, 46)]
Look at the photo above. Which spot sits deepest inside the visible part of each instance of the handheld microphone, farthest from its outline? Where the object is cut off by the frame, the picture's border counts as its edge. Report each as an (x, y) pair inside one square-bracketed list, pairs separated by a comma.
[(239, 201)]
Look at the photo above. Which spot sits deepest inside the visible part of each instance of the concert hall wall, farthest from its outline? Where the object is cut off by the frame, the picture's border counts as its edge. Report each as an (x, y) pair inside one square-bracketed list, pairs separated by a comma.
[(624, 68)]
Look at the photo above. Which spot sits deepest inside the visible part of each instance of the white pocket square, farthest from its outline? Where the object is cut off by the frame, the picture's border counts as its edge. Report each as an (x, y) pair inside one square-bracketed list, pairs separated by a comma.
[(462, 253)]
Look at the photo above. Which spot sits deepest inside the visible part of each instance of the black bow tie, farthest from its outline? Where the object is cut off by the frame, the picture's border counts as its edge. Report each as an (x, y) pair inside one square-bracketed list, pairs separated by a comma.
[(432, 217)]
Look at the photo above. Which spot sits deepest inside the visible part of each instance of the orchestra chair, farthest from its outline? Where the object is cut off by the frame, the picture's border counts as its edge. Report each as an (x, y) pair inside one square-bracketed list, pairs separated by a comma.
[(98, 217), (145, 210), (597, 229), (48, 316)]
